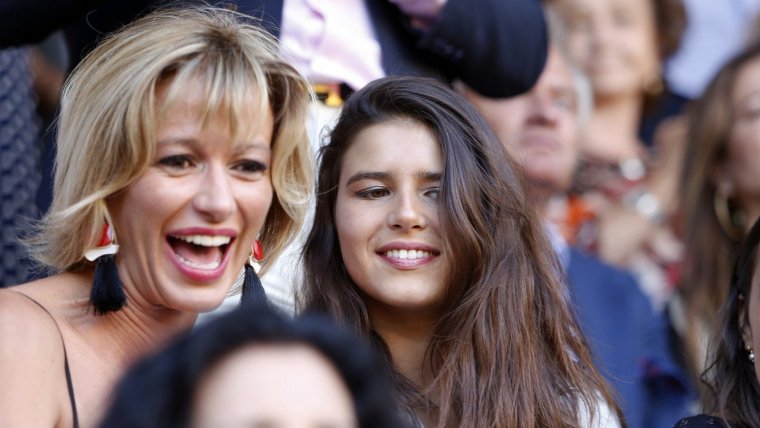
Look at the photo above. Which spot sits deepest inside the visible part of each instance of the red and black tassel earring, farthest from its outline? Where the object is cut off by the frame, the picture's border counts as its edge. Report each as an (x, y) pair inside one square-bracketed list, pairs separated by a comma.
[(106, 294), (253, 291)]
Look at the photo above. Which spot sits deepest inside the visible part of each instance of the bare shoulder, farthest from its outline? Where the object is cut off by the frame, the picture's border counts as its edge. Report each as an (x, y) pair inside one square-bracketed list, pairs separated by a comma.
[(31, 362), (21, 317)]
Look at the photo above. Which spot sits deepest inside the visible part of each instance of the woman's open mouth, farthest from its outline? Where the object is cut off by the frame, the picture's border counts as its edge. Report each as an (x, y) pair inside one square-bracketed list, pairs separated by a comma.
[(200, 251), (200, 256)]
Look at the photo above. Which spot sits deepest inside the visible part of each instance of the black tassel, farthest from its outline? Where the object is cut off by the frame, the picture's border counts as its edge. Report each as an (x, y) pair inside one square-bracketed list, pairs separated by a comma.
[(253, 291), (107, 294)]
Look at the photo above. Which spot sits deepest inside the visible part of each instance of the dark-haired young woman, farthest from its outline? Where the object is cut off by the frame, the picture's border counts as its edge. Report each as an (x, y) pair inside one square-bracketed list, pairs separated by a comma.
[(423, 241)]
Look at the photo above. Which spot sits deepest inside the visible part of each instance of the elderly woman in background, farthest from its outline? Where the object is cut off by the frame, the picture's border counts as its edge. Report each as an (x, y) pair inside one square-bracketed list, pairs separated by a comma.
[(720, 196), (733, 394), (181, 145), (623, 192)]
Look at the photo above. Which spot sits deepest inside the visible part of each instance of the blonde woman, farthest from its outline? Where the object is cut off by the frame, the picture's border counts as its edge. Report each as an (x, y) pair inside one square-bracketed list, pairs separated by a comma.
[(181, 144)]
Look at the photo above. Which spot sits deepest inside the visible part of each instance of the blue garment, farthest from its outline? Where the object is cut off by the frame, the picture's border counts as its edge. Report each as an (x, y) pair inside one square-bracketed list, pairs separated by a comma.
[(630, 343), (19, 162)]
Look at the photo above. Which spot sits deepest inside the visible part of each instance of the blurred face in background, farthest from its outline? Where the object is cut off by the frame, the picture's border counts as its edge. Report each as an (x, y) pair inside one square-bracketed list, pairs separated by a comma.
[(539, 128), (614, 42), (273, 386), (739, 173)]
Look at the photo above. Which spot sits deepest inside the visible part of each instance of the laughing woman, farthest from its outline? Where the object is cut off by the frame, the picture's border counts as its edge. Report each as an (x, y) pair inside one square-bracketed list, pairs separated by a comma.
[(181, 141), (423, 242)]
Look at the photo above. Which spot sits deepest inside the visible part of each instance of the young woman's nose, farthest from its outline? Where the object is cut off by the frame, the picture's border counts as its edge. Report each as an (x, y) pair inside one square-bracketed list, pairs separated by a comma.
[(214, 197), (407, 212)]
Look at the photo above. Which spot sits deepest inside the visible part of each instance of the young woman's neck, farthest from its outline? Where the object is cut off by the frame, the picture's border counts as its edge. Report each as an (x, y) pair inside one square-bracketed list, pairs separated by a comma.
[(612, 132), (407, 339)]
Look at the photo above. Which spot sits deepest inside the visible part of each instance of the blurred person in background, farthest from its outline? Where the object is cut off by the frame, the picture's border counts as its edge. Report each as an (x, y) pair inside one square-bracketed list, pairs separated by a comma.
[(732, 397), (542, 130), (255, 368), (719, 196), (622, 197)]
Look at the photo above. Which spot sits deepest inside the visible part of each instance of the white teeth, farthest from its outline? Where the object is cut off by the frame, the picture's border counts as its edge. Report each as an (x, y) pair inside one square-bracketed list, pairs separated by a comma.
[(205, 266), (407, 254), (205, 240)]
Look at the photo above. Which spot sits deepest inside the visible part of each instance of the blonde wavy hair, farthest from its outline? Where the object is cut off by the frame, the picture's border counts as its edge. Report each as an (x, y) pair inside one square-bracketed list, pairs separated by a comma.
[(110, 114)]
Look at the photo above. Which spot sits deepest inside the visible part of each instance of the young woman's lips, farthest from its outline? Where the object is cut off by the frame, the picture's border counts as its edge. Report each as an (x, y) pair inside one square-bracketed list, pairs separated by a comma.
[(201, 254), (407, 255)]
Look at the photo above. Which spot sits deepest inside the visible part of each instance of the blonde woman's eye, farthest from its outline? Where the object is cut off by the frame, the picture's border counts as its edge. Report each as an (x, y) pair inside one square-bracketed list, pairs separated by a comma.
[(176, 162), (251, 167)]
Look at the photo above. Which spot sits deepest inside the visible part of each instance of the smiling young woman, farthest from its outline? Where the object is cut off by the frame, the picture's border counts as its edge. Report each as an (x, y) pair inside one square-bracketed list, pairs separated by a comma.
[(181, 141), (424, 242)]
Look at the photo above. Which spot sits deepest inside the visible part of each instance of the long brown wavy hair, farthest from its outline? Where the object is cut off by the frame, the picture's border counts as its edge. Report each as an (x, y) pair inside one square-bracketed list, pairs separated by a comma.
[(508, 351), (710, 246), (733, 389)]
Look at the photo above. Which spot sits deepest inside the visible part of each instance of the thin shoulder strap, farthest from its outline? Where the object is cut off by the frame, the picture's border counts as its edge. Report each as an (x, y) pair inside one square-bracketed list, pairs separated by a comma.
[(69, 384)]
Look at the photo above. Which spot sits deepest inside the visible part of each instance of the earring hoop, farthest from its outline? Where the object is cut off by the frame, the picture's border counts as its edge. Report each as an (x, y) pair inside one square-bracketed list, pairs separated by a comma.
[(729, 222)]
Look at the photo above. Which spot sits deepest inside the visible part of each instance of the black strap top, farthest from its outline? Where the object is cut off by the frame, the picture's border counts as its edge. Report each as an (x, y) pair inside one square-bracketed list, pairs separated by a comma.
[(65, 364)]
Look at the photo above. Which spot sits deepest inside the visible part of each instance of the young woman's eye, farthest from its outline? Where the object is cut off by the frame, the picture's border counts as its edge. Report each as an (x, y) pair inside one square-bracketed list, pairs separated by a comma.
[(251, 167), (372, 193), (176, 162), (433, 193)]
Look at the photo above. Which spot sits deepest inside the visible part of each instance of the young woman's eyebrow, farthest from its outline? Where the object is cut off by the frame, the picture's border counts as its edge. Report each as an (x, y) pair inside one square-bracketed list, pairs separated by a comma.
[(426, 176), (368, 175)]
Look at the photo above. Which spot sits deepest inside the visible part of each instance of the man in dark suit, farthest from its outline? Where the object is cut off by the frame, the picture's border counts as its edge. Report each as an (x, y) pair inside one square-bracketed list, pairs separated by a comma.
[(629, 341)]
